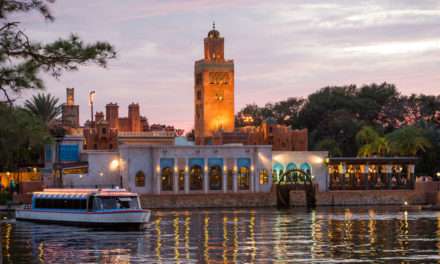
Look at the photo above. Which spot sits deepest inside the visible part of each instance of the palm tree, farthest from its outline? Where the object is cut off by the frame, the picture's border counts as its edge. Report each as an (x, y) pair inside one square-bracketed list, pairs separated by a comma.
[(380, 146), (366, 135), (408, 141), (371, 143), (45, 107)]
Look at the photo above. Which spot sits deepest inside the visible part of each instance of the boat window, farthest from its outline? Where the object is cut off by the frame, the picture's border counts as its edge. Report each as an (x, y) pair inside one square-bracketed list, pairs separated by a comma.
[(56, 203), (114, 203)]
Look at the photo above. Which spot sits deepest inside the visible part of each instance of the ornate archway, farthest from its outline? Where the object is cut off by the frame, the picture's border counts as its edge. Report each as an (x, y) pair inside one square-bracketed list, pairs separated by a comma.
[(285, 184)]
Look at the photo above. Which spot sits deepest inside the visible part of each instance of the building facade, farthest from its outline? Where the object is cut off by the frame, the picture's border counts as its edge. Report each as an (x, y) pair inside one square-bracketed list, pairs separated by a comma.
[(213, 91), (161, 169)]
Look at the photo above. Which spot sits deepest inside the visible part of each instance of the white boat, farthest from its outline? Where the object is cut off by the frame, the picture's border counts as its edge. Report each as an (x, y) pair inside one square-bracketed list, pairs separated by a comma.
[(91, 207)]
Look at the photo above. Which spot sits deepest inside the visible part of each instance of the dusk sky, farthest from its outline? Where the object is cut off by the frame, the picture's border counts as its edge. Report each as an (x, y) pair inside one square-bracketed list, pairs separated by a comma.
[(280, 48)]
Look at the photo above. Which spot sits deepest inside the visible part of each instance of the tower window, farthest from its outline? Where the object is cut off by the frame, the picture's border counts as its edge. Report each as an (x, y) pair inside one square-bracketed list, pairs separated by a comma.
[(199, 95)]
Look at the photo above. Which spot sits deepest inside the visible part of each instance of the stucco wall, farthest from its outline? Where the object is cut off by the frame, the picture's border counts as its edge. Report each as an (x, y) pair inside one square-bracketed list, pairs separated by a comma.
[(99, 164), (133, 160), (147, 159)]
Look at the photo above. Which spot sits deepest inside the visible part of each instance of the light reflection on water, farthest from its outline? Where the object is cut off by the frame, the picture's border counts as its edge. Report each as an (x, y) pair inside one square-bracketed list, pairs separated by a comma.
[(238, 236)]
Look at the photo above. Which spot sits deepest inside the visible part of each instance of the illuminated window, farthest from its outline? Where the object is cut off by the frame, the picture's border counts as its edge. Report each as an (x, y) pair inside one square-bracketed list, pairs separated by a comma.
[(215, 178), (264, 176), (167, 179), (196, 178), (140, 179), (243, 178)]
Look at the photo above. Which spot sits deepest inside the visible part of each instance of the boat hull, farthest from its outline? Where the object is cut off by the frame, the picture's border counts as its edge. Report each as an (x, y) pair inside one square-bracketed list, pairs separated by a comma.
[(129, 218)]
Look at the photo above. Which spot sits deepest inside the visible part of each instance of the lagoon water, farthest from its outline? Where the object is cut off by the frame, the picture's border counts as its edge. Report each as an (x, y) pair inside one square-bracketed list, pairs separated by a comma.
[(383, 235)]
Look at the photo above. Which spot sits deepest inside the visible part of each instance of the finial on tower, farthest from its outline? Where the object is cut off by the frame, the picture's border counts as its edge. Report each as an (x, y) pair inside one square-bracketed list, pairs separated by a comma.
[(213, 25)]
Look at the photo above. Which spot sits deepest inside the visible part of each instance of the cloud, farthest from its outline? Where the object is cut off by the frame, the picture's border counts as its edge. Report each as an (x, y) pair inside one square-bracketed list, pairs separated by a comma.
[(396, 48), (280, 48)]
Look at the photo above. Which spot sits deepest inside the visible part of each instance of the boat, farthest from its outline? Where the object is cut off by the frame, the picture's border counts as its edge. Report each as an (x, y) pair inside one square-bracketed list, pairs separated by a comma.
[(116, 208)]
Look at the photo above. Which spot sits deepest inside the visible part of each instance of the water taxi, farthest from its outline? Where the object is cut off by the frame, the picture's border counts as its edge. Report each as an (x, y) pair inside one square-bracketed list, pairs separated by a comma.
[(90, 207)]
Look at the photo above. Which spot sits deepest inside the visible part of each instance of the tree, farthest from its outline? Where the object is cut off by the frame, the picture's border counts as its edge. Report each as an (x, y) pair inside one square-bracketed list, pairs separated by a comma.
[(429, 162), (45, 107), (22, 137), (285, 113), (380, 147), (408, 141), (366, 135), (329, 145), (22, 60)]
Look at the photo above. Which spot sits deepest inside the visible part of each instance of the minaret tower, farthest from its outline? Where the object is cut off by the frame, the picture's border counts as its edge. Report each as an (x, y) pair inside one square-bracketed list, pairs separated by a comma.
[(213, 90)]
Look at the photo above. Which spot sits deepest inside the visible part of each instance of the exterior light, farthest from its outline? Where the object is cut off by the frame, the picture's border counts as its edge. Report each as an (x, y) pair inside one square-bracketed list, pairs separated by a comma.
[(225, 168), (92, 97), (186, 169), (34, 169), (175, 168), (80, 176), (114, 164), (405, 203), (101, 173), (252, 168), (8, 173), (318, 160), (326, 160), (438, 174), (158, 168)]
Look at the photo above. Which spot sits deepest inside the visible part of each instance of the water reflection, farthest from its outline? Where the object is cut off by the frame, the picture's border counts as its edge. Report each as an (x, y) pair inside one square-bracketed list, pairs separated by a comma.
[(237, 236)]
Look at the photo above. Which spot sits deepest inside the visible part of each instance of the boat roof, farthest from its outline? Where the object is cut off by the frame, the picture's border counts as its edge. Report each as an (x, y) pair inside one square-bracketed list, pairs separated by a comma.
[(81, 193)]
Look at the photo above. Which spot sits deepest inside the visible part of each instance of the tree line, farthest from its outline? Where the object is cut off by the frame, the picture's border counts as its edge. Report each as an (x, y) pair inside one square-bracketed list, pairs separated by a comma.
[(374, 119)]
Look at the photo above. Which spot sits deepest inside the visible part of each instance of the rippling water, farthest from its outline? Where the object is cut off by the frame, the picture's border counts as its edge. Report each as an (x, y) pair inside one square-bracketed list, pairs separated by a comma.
[(238, 236)]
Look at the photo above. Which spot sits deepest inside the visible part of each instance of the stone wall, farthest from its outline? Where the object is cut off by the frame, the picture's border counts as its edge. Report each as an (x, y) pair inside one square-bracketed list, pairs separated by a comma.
[(424, 193), (371, 197), (209, 200), (297, 198)]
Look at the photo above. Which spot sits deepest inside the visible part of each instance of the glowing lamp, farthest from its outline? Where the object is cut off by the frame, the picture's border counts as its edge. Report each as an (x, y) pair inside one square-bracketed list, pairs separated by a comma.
[(114, 164)]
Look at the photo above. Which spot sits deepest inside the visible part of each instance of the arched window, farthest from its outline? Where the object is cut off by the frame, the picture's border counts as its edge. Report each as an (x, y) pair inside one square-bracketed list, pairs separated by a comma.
[(196, 178), (215, 173), (277, 171), (306, 168), (243, 178), (140, 179), (167, 179), (244, 174), (215, 178), (292, 176)]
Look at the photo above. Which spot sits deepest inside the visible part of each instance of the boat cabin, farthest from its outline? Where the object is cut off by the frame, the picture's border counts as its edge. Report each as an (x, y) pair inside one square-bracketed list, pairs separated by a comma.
[(91, 200)]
